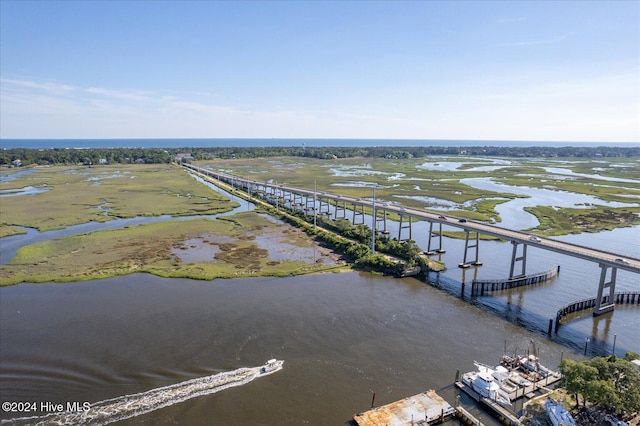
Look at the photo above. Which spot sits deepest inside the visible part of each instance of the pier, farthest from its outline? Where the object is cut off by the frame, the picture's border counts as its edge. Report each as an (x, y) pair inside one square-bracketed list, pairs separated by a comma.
[(505, 416), (482, 286), (426, 408), (466, 417)]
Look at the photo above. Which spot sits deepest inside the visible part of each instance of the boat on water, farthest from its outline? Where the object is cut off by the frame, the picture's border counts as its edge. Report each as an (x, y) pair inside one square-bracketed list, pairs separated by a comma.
[(483, 382), (558, 415), (271, 366)]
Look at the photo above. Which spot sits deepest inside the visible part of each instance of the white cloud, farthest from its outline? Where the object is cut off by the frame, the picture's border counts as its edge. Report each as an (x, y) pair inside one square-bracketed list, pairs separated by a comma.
[(598, 109)]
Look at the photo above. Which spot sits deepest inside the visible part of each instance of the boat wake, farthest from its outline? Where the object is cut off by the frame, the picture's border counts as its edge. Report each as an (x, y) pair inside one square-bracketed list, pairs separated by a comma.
[(128, 406)]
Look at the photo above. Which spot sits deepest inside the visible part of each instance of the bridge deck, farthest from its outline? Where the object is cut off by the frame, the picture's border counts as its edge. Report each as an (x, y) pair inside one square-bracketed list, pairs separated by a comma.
[(616, 260)]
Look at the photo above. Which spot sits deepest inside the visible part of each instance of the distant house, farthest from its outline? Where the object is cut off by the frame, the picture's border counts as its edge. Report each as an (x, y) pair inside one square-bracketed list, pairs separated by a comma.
[(102, 161), (184, 157), (139, 161), (16, 163)]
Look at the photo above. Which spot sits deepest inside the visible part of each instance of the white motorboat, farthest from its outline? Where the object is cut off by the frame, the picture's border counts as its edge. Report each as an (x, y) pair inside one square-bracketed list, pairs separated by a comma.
[(482, 382), (500, 374), (517, 379), (271, 366), (558, 415), (531, 363)]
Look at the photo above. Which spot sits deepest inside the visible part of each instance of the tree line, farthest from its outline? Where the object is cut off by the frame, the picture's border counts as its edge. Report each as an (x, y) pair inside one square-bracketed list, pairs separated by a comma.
[(610, 383), (55, 156)]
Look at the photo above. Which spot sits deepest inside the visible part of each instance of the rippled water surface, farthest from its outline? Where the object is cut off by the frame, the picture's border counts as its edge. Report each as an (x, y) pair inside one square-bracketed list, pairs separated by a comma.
[(342, 336)]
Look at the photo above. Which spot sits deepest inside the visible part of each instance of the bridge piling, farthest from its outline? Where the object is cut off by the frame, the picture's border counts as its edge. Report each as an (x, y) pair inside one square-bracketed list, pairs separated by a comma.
[(515, 258), (439, 249), (603, 305), (358, 215), (468, 246), (402, 226)]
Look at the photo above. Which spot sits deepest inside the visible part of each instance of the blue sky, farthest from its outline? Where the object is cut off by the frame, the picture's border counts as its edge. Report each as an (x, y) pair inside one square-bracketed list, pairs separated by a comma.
[(480, 70)]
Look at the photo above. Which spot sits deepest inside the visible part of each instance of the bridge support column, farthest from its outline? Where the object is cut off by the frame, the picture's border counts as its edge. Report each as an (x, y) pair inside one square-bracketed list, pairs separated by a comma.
[(605, 303), (468, 246), (324, 207), (439, 249), (515, 258), (404, 226), (341, 210), (312, 202), (358, 215), (384, 222)]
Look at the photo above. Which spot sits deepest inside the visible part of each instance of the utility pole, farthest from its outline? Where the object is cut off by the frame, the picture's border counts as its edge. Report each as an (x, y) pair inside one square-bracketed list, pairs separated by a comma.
[(373, 223)]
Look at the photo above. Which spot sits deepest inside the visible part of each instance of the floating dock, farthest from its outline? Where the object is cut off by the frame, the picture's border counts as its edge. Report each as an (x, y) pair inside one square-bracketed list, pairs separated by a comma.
[(504, 415), (426, 408)]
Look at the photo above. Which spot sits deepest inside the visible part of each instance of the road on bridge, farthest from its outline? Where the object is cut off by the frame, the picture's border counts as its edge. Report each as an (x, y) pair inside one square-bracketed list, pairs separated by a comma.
[(615, 260)]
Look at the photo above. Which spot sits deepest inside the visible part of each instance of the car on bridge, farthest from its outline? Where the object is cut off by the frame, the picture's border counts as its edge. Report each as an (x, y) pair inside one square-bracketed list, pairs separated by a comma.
[(621, 260), (534, 238)]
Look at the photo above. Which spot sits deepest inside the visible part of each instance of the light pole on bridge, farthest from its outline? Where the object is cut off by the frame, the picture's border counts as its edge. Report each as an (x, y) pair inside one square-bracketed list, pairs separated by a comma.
[(373, 223)]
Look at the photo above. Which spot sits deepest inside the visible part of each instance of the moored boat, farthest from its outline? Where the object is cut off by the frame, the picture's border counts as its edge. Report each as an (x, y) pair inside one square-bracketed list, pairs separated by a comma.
[(483, 382), (500, 374), (558, 415), (517, 379)]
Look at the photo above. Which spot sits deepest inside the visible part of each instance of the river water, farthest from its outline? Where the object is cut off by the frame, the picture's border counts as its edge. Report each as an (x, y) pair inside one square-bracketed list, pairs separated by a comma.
[(343, 336)]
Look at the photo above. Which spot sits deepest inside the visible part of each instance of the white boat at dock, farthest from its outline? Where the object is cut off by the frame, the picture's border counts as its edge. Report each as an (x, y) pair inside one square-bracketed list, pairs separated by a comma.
[(501, 376), (483, 382), (516, 378), (531, 363), (558, 415)]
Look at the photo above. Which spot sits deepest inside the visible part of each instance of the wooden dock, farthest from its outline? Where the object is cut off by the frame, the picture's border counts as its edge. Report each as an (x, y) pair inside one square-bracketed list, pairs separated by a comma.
[(466, 417), (505, 416), (426, 408)]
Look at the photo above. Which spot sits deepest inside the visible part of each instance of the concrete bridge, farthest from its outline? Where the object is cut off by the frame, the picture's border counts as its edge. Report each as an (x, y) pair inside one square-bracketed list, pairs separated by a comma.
[(337, 206)]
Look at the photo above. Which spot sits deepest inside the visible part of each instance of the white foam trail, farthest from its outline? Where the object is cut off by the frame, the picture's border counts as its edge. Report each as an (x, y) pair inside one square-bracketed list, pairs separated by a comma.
[(127, 406)]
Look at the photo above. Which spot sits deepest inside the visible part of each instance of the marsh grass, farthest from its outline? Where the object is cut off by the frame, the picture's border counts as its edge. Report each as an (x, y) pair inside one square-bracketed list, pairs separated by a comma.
[(147, 248), (83, 194), (404, 181), (7, 231), (563, 221)]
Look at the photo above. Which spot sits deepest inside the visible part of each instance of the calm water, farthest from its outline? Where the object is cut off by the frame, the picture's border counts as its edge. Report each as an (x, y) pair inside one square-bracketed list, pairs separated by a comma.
[(343, 336)]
